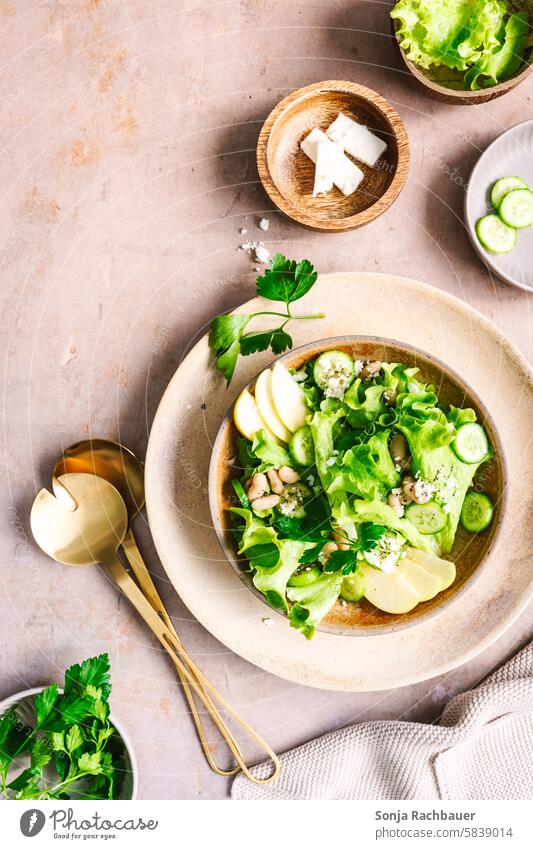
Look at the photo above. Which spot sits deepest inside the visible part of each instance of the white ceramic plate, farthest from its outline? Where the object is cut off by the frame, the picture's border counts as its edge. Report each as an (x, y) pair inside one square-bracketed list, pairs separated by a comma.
[(511, 154), (177, 495)]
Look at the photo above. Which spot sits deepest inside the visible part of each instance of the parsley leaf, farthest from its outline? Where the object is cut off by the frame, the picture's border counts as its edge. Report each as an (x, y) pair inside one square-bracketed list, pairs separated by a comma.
[(285, 280), (368, 536)]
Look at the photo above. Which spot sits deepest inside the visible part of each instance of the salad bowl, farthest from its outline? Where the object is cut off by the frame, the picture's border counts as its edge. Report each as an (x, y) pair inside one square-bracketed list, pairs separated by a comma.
[(470, 550), (443, 84)]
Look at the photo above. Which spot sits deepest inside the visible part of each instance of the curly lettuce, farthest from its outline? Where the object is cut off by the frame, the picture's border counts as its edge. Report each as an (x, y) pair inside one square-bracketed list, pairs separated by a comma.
[(311, 603), (474, 36)]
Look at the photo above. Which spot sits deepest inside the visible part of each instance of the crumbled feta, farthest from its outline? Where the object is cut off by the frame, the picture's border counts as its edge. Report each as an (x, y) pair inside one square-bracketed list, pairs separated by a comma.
[(413, 387), (243, 231), (299, 376), (310, 479), (336, 385), (446, 508), (398, 467), (261, 254), (423, 491), (386, 553), (331, 461), (264, 224), (287, 507), (358, 365)]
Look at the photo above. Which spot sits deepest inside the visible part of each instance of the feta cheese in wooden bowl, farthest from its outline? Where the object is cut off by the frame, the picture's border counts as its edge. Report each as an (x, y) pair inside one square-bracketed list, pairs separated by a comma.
[(333, 156)]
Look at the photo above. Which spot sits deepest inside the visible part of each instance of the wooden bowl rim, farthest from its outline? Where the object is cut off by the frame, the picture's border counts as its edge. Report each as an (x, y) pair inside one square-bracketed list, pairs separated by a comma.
[(462, 94), (349, 222), (311, 348)]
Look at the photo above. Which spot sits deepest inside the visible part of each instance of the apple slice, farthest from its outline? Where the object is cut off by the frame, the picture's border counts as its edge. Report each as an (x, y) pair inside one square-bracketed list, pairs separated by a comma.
[(247, 417), (265, 403), (391, 592), (427, 584), (289, 399), (443, 569)]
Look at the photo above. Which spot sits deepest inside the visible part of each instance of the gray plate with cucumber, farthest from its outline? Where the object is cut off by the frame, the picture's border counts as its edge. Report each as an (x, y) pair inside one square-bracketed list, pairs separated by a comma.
[(499, 206)]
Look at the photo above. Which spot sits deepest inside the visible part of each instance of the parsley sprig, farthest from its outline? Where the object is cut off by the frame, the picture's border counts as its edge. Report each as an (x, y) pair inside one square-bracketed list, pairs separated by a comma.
[(368, 536), (285, 281), (70, 735)]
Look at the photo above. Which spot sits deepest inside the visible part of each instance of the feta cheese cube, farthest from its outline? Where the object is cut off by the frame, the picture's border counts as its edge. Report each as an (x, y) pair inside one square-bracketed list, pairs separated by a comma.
[(345, 175), (356, 139)]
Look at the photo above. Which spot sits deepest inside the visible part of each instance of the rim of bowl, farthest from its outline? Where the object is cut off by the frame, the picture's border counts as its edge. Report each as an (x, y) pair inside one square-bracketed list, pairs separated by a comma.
[(9, 701), (380, 630), (471, 226), (350, 222)]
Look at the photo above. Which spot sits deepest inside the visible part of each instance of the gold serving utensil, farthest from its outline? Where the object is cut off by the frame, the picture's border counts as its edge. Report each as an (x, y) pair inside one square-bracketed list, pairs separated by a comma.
[(118, 465), (85, 521)]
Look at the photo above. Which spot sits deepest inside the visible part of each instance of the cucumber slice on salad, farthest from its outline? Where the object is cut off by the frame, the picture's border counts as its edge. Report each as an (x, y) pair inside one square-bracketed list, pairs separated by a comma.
[(292, 500), (471, 444), (301, 447), (241, 494), (353, 587), (494, 235), (477, 512), (334, 371), (503, 186), (516, 209), (427, 518), (303, 579)]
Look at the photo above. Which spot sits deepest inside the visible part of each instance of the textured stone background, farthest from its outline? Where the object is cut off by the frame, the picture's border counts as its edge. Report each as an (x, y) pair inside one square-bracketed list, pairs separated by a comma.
[(128, 134)]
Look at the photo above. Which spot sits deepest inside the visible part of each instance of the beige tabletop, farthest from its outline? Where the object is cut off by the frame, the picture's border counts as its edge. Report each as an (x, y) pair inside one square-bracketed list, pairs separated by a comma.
[(128, 142)]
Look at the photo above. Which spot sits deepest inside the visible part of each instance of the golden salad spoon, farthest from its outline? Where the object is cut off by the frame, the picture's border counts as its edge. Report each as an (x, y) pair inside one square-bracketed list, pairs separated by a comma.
[(118, 465), (85, 521)]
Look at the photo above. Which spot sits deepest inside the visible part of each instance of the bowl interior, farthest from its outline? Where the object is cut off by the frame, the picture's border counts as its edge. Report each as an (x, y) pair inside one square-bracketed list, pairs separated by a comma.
[(469, 551), (450, 80), (293, 172)]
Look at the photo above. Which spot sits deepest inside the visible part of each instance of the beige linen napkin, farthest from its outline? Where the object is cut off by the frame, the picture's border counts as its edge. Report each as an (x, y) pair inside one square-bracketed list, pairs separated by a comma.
[(481, 749)]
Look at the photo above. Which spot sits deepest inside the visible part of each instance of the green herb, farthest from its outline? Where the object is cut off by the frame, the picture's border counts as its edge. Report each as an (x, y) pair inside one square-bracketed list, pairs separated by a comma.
[(71, 736), (285, 280), (368, 536)]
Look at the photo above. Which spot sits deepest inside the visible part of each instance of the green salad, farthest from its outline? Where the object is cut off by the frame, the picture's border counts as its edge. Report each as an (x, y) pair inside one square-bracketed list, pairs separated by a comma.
[(352, 481), (483, 41)]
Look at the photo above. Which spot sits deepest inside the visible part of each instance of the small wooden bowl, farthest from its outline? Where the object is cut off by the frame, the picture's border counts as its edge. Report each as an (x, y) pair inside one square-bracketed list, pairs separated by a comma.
[(287, 174), (444, 84), (469, 552)]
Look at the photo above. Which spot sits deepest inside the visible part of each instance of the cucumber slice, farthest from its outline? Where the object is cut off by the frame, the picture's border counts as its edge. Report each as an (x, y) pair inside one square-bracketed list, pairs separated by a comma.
[(503, 186), (353, 587), (471, 444), (292, 500), (494, 235), (427, 518), (516, 209), (333, 372), (477, 512), (240, 493), (303, 579), (301, 447)]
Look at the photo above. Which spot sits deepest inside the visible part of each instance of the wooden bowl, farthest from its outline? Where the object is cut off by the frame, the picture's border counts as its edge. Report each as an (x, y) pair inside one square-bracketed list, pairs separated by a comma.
[(287, 174), (469, 552), (445, 84)]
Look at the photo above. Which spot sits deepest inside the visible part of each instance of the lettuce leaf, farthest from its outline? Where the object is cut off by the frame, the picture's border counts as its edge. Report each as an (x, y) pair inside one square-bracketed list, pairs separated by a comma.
[(271, 454), (363, 402), (490, 70), (367, 470), (312, 602), (271, 573), (429, 434), (455, 33)]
